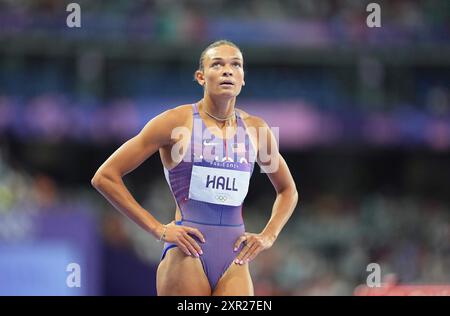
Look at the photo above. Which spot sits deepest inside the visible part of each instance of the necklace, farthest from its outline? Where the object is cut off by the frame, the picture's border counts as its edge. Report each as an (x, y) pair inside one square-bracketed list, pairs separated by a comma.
[(219, 118)]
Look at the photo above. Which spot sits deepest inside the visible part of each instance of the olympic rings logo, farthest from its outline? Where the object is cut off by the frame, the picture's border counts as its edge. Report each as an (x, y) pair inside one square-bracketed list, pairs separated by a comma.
[(221, 198)]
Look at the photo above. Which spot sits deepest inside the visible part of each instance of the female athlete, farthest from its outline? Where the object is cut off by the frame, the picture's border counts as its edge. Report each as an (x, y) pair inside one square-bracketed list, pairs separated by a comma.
[(208, 150)]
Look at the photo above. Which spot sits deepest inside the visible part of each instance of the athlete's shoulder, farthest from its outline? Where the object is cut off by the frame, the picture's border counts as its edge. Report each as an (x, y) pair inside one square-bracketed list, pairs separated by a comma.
[(178, 112), (159, 129), (176, 116), (252, 120)]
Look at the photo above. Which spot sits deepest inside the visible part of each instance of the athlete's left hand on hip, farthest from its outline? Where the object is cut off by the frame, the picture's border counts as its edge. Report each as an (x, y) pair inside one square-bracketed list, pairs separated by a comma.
[(254, 244)]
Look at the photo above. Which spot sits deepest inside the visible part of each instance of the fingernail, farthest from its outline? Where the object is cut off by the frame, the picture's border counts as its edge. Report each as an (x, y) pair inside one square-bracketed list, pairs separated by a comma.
[(201, 252), (197, 255), (203, 240), (241, 262), (235, 249), (236, 261)]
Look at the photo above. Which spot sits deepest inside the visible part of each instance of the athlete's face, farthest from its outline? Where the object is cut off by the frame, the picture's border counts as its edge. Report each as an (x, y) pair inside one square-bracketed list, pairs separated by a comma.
[(223, 73)]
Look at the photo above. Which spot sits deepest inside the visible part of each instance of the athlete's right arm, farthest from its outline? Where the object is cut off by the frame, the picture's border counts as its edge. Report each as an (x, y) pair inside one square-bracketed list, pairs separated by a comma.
[(108, 179)]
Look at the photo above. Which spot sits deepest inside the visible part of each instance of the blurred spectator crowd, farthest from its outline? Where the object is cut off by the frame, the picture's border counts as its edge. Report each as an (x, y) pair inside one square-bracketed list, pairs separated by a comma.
[(291, 22)]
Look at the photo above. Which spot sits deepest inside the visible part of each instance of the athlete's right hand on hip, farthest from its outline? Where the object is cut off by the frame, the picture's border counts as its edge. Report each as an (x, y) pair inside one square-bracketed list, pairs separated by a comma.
[(180, 235)]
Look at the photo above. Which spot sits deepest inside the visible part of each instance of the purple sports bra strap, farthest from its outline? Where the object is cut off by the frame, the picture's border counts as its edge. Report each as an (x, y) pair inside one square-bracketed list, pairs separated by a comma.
[(241, 124), (195, 109), (196, 132)]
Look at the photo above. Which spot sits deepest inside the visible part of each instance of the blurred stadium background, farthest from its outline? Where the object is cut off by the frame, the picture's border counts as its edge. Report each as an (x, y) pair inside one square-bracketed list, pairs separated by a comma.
[(364, 117)]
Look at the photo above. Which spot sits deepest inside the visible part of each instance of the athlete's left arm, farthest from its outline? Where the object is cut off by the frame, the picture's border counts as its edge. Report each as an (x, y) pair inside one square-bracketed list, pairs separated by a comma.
[(273, 164)]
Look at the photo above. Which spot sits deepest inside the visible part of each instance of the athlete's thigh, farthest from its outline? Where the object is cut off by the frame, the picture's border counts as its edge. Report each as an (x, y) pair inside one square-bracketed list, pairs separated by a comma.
[(236, 281), (179, 274)]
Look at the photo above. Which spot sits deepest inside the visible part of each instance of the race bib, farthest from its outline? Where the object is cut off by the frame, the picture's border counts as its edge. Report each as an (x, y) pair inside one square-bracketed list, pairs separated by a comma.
[(218, 186)]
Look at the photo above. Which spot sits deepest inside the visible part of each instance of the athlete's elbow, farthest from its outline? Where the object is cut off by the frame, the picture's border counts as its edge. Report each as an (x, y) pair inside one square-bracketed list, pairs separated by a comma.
[(104, 177), (296, 197), (290, 193), (97, 180), (293, 193)]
